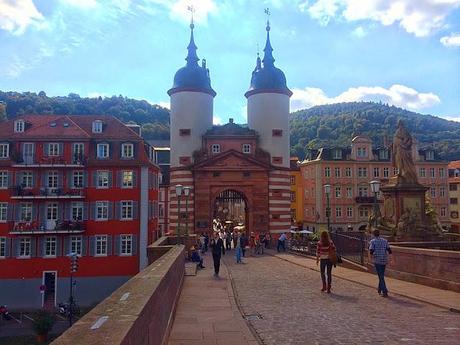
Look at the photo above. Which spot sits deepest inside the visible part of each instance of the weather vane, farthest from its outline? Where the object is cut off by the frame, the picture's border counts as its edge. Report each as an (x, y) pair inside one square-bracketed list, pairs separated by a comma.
[(267, 12), (191, 8)]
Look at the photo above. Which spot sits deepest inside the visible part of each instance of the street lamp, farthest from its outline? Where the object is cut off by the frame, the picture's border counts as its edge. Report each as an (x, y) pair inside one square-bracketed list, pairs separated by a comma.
[(186, 193), (327, 190), (375, 188), (179, 189)]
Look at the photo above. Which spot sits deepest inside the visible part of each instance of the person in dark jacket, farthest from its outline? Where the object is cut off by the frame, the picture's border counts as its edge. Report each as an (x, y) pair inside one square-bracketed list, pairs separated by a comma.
[(243, 243), (217, 247), (206, 242)]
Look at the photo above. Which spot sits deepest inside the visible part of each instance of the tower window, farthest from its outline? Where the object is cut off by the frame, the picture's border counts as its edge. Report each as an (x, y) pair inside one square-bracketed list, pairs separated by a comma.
[(277, 132), (184, 132), (185, 160), (277, 160), (97, 126), (215, 148), (19, 126), (246, 148)]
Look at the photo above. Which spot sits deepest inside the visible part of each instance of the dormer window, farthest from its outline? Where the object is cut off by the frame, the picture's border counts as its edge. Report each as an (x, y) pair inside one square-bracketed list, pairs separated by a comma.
[(337, 154), (19, 126), (215, 148), (362, 152), (429, 156), (127, 150), (97, 126), (383, 154), (246, 148), (4, 150)]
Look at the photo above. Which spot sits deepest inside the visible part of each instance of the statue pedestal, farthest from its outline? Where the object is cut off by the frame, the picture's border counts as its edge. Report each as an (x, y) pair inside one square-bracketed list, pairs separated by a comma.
[(404, 209)]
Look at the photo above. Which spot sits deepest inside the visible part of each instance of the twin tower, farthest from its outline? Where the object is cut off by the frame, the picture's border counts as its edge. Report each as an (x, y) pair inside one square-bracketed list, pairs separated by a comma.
[(192, 100)]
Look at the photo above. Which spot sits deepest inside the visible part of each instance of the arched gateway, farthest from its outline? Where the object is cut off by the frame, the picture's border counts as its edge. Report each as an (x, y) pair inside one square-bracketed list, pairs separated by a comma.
[(230, 211), (230, 164)]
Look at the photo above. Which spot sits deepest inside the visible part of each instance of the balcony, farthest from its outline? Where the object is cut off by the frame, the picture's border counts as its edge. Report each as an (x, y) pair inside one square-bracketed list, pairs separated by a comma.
[(48, 227), (366, 200), (78, 161), (47, 193)]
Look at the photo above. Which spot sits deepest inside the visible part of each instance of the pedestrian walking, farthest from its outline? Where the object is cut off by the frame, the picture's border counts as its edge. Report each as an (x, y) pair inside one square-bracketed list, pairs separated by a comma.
[(206, 242), (238, 250), (243, 243), (325, 249), (228, 241), (379, 250), (217, 248), (252, 243), (235, 238), (282, 242), (267, 240)]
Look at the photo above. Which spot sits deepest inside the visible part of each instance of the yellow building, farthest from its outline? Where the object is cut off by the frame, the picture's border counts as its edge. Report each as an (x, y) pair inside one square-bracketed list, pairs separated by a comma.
[(296, 193), (454, 195)]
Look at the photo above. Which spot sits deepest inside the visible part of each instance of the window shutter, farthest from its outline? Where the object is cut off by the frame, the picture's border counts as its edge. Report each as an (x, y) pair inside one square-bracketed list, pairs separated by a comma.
[(85, 210), (18, 178), (61, 149), (134, 179), (10, 183), (10, 212), (116, 249), (119, 174), (109, 245), (135, 210), (84, 244), (59, 246), (70, 179), (33, 179), (67, 246), (17, 212), (46, 149), (16, 243), (110, 150), (33, 247), (92, 210), (110, 179), (41, 247), (94, 183), (110, 210), (60, 180), (42, 212), (118, 210), (92, 245), (85, 179), (34, 212), (7, 247), (150, 181), (43, 179), (157, 212), (134, 245)]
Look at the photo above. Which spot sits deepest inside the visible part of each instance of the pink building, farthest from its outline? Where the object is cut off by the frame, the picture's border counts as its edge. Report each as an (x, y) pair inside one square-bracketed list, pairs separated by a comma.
[(349, 170)]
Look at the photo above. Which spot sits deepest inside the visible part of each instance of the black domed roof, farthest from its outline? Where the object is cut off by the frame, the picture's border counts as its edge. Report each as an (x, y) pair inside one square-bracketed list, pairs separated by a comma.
[(192, 77), (266, 77)]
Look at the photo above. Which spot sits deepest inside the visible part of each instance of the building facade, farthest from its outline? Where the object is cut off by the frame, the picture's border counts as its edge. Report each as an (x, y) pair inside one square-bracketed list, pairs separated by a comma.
[(72, 184), (349, 172), (296, 193), (240, 169), (454, 195)]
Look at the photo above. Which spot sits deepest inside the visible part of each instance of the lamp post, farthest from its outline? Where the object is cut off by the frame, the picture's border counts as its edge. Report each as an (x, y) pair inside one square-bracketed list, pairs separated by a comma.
[(186, 193), (179, 189), (327, 190), (375, 188)]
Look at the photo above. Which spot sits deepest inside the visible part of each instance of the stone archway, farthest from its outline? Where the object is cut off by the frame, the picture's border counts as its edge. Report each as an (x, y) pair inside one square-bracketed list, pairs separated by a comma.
[(229, 208)]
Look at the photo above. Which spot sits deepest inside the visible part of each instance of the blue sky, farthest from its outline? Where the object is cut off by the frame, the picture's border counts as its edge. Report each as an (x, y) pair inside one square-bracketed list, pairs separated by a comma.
[(402, 52)]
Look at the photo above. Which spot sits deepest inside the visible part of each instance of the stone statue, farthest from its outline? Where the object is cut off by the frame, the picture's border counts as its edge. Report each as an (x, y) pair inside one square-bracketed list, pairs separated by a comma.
[(407, 222), (402, 155)]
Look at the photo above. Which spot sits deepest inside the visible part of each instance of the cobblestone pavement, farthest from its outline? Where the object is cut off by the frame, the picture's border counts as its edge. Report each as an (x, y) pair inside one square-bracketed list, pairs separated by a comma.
[(295, 312)]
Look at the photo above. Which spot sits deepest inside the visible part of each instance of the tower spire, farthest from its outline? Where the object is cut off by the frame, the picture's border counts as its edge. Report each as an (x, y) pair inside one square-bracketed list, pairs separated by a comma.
[(192, 58), (268, 59)]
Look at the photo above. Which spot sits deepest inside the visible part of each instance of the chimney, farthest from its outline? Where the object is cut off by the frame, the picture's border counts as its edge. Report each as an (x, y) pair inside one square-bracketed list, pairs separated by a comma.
[(135, 127)]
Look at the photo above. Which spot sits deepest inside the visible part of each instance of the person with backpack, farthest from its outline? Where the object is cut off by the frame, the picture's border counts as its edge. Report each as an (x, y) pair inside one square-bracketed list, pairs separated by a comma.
[(325, 256), (217, 248)]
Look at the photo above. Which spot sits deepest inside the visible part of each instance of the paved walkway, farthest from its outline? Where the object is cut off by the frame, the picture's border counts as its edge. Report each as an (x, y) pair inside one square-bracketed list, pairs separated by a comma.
[(293, 310), (442, 298), (207, 313)]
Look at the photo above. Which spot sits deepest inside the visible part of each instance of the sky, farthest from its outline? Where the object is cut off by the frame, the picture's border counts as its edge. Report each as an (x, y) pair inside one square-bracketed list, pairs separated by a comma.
[(401, 52)]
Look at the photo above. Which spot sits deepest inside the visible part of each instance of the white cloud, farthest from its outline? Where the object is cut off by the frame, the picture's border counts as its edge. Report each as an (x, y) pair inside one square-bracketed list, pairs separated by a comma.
[(452, 118), (419, 17), (359, 32), (81, 3), (217, 120), (398, 95), (16, 16), (451, 41), (178, 9)]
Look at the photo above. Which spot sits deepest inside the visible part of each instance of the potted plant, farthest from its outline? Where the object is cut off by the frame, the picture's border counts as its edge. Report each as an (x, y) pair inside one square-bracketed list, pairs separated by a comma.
[(42, 324)]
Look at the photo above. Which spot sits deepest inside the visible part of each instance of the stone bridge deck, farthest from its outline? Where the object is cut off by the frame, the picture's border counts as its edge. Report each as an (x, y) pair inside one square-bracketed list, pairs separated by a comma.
[(284, 291)]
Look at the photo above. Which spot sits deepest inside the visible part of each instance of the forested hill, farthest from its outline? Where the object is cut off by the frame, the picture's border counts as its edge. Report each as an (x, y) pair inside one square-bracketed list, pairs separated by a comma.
[(153, 118), (320, 126), (336, 124)]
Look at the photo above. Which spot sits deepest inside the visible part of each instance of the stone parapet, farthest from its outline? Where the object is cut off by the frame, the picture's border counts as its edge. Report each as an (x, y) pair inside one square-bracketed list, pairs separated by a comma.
[(140, 311)]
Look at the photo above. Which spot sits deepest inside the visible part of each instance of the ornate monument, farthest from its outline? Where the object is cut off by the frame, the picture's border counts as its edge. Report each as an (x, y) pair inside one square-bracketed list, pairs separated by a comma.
[(405, 211)]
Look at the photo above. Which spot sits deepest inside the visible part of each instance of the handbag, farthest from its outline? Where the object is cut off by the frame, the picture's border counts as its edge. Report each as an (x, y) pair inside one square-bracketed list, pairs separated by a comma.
[(333, 255)]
